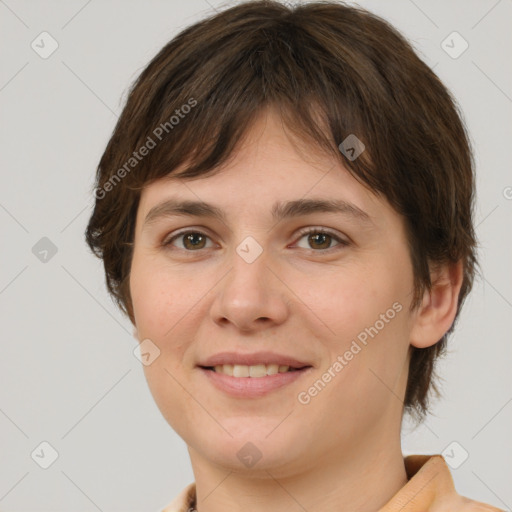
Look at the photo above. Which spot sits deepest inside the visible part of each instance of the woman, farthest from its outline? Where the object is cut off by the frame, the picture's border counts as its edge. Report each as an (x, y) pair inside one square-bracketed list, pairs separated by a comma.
[(284, 213)]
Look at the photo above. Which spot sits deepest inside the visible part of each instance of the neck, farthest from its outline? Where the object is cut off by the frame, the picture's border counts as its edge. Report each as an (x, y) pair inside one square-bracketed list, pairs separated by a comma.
[(360, 481)]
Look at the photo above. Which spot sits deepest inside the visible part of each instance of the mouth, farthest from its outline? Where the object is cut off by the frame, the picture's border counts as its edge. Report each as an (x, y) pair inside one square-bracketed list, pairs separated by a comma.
[(252, 381), (253, 371), (244, 375)]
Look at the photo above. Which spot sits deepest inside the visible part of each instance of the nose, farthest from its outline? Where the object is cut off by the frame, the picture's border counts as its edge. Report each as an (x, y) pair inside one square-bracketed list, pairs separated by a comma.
[(252, 296)]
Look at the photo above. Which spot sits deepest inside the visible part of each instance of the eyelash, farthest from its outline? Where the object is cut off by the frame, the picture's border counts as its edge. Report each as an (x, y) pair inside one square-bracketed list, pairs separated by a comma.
[(306, 231)]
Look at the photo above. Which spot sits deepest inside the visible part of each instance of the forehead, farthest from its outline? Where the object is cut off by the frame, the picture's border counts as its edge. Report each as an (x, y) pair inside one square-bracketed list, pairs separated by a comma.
[(269, 167)]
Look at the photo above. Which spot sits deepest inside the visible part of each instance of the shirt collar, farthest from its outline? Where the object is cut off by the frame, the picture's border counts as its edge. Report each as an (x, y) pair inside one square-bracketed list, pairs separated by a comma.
[(429, 479)]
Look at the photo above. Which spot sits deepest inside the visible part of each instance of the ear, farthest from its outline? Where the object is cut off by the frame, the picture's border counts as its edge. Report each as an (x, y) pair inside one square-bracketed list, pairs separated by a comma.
[(439, 306)]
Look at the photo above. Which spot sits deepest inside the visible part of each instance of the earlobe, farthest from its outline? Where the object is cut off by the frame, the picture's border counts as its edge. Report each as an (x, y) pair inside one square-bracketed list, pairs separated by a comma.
[(437, 312)]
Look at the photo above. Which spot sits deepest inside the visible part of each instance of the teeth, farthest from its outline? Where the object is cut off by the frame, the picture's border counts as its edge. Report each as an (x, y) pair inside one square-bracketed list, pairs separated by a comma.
[(257, 370), (240, 371)]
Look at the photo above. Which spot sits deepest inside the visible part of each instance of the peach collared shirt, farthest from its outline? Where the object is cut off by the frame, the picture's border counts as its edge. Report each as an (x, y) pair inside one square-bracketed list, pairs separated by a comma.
[(430, 488)]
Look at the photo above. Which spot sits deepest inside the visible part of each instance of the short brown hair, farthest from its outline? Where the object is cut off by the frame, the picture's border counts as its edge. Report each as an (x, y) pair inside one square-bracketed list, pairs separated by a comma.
[(332, 70)]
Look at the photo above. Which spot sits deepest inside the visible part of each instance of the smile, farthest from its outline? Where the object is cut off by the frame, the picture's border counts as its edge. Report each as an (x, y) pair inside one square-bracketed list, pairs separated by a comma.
[(257, 370), (252, 381)]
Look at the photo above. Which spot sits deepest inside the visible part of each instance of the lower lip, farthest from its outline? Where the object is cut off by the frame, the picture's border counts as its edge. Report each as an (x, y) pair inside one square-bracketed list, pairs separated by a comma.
[(252, 387)]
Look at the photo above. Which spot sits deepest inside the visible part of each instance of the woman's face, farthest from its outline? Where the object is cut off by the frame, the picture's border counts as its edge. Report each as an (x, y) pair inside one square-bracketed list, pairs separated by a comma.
[(334, 301)]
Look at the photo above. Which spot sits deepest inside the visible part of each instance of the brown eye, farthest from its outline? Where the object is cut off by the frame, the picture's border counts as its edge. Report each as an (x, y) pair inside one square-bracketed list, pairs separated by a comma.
[(320, 240), (194, 241), (191, 240)]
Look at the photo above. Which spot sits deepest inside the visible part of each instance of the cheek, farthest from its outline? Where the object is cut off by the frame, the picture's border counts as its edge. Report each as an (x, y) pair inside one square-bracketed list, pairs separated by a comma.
[(163, 305), (160, 299), (344, 302), (364, 317), (161, 296)]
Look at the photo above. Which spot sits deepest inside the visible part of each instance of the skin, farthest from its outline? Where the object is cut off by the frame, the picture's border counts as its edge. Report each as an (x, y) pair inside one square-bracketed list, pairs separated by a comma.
[(303, 298)]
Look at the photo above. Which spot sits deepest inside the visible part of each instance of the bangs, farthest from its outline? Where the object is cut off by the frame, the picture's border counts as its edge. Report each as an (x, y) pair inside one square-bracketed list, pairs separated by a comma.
[(319, 92)]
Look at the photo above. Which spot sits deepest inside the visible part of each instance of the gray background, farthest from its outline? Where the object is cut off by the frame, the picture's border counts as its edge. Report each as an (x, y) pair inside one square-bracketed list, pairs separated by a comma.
[(69, 376)]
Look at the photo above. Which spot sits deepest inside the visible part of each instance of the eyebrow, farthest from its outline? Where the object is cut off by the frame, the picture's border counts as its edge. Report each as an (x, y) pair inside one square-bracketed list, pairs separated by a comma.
[(280, 210)]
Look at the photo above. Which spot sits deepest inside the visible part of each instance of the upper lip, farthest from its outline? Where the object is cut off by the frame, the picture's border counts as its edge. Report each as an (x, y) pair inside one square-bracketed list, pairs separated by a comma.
[(252, 359)]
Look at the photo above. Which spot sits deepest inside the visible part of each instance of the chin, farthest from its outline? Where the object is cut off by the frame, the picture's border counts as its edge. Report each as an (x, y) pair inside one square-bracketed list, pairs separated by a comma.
[(252, 448)]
